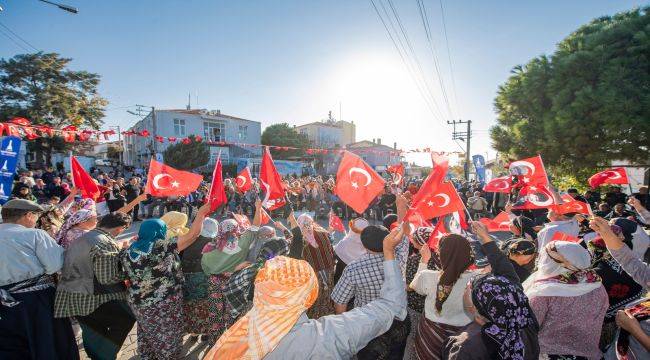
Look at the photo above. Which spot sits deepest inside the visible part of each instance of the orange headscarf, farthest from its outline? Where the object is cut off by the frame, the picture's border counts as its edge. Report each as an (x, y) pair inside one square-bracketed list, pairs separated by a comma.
[(284, 289)]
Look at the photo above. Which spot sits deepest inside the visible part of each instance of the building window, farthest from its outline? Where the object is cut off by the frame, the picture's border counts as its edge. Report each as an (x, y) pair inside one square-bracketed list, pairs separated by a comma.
[(243, 132), (214, 131), (179, 127)]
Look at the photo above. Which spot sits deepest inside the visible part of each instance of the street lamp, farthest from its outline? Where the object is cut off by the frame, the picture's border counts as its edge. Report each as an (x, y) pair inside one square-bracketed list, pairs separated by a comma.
[(67, 8)]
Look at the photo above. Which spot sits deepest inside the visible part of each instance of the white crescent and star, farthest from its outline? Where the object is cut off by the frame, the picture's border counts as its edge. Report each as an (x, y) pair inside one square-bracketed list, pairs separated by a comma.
[(397, 178), (267, 193), (444, 197), (501, 182), (525, 164), (533, 199), (613, 175), (156, 181), (243, 181), (362, 172)]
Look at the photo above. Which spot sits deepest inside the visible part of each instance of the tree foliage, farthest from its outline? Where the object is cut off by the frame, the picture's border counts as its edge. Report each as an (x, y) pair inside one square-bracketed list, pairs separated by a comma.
[(187, 156), (41, 88), (585, 105), (284, 135)]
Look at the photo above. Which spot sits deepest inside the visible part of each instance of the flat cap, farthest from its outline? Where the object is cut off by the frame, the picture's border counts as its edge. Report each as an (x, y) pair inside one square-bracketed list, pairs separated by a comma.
[(22, 204)]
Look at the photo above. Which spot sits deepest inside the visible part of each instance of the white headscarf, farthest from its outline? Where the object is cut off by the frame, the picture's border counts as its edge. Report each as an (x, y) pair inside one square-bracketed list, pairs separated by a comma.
[(306, 225), (350, 247), (210, 228), (577, 259)]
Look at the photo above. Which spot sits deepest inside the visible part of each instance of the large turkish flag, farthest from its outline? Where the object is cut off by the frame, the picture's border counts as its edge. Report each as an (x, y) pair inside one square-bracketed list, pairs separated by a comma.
[(84, 182), (164, 180), (500, 184), (244, 180), (609, 176), (530, 171), (438, 201), (357, 184), (217, 195)]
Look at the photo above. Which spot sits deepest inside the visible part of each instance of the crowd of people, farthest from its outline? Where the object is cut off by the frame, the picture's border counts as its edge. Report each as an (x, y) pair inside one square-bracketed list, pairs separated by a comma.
[(286, 289)]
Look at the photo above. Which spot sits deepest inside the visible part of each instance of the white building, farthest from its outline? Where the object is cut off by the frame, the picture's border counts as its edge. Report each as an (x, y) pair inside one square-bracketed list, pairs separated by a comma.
[(329, 133), (211, 125)]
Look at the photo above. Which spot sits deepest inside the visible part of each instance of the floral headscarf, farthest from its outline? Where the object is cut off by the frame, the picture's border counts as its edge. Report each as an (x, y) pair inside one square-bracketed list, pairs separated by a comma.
[(67, 235), (506, 309), (306, 225), (85, 204), (422, 234), (229, 231)]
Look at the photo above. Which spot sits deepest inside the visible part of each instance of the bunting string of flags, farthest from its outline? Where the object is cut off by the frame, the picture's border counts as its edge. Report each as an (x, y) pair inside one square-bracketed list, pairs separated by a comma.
[(24, 129)]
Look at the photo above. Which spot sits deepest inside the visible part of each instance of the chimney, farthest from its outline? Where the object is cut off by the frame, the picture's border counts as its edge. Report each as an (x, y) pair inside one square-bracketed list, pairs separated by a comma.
[(378, 141), (395, 146)]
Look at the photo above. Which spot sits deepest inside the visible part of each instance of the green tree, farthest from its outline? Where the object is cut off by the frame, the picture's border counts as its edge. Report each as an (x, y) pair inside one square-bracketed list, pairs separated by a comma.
[(585, 105), (284, 135), (41, 88), (187, 156)]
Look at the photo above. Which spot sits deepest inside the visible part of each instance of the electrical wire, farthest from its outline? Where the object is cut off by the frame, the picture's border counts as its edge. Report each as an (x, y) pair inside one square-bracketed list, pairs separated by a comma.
[(19, 37), (451, 68), (14, 41), (402, 54), (432, 49)]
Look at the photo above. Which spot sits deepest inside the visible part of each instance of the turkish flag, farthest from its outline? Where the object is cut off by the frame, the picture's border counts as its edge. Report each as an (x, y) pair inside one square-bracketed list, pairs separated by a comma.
[(534, 197), (357, 184), (164, 180), (609, 176), (453, 223), (244, 181), (500, 222), (530, 171), (336, 223), (83, 181), (271, 182), (397, 173), (20, 121), (217, 195), (560, 236), (264, 217), (500, 184), (438, 201), (571, 205)]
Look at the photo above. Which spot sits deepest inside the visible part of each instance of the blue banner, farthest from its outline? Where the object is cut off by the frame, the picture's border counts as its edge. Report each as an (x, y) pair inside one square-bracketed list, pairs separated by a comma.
[(9, 149), (479, 165)]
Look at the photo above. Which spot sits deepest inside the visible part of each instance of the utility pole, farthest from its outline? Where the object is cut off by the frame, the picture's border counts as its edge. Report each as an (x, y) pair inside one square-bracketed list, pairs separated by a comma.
[(140, 111), (457, 135)]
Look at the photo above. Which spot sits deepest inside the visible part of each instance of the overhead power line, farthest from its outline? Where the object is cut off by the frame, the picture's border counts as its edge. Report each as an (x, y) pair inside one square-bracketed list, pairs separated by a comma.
[(451, 68), (19, 38)]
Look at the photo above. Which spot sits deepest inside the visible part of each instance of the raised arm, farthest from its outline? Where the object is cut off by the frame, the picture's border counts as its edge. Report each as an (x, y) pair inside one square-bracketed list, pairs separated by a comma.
[(257, 219), (195, 230), (500, 263), (128, 207)]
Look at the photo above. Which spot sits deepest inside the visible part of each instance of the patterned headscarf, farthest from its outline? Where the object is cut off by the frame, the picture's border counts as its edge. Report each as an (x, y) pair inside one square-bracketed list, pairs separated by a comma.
[(506, 309), (525, 226), (422, 235), (65, 237), (306, 225), (521, 246), (229, 232), (176, 224), (455, 257), (150, 231), (284, 289), (85, 204), (239, 289)]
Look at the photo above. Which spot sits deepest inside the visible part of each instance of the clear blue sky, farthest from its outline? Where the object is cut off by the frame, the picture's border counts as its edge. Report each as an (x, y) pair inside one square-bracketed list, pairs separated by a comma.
[(293, 61)]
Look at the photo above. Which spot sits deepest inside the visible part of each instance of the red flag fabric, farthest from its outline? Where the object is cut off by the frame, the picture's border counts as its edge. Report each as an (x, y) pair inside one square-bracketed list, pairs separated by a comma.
[(500, 184), (336, 223), (217, 195), (560, 236), (242, 221), (264, 217), (609, 176), (164, 180), (501, 222), (357, 184), (83, 181), (534, 197), (271, 182), (397, 173), (438, 232), (244, 181), (437, 201), (530, 171), (571, 205)]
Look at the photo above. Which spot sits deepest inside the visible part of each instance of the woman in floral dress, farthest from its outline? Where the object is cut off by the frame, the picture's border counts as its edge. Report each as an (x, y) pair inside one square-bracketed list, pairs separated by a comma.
[(153, 268)]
